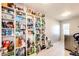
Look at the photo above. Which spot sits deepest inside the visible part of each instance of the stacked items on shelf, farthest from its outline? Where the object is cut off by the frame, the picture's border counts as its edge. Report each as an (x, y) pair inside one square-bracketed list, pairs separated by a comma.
[(37, 39), (38, 28), (7, 29), (46, 42), (30, 33), (40, 32), (20, 31), (34, 22), (43, 35)]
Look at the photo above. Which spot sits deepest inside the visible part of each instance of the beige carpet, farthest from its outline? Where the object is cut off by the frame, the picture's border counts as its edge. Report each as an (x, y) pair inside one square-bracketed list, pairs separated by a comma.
[(56, 50)]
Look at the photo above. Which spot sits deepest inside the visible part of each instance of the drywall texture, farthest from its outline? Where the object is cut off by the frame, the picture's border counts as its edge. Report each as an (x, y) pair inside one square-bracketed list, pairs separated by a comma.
[(53, 30)]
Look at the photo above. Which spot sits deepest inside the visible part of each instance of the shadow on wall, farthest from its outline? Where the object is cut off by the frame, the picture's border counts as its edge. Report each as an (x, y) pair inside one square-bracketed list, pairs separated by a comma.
[(53, 30), (55, 33)]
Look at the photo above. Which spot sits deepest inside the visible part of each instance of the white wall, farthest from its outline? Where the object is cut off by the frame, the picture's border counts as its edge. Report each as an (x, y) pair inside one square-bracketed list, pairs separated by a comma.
[(74, 26), (74, 23), (70, 43), (61, 32), (52, 29)]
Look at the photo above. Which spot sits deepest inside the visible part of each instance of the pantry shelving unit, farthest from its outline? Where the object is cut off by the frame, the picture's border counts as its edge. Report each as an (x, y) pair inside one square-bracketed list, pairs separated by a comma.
[(20, 19), (28, 31), (7, 23), (36, 28)]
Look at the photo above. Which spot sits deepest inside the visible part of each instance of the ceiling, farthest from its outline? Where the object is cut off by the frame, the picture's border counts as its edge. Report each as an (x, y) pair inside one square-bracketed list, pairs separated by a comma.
[(55, 10)]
